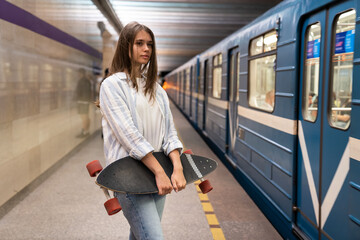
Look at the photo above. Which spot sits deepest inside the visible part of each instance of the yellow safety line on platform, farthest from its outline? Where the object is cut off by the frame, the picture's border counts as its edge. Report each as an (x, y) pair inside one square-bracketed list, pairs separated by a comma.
[(210, 214), (208, 209)]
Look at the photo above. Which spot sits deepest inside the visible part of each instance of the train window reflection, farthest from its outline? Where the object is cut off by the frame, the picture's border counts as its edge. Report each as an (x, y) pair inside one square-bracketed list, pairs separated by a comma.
[(342, 69), (262, 83), (217, 72), (256, 46), (270, 40), (311, 73), (262, 71)]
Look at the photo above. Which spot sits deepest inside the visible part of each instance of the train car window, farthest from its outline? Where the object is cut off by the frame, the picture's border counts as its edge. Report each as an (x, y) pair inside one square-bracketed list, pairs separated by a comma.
[(311, 73), (256, 46), (262, 71), (235, 68), (232, 63), (270, 41), (238, 76), (342, 70), (234, 77), (217, 72)]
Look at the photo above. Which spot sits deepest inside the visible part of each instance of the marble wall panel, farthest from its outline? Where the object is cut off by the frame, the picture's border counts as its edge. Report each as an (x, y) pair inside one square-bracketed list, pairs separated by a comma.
[(39, 122)]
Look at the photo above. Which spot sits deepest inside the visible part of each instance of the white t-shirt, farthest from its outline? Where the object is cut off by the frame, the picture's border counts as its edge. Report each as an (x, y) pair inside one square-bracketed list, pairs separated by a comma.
[(152, 119)]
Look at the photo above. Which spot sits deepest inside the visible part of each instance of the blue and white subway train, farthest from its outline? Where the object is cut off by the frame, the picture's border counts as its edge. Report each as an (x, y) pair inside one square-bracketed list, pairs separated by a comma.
[(279, 101)]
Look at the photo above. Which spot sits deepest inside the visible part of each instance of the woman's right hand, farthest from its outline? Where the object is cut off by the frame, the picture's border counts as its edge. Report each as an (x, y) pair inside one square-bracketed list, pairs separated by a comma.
[(163, 183)]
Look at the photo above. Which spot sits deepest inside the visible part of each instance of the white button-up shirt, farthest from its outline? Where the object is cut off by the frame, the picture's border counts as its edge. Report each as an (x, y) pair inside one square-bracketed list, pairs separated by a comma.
[(150, 119), (121, 123)]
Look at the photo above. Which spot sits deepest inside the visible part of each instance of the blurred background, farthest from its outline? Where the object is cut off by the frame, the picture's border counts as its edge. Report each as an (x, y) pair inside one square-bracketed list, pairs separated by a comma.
[(53, 54)]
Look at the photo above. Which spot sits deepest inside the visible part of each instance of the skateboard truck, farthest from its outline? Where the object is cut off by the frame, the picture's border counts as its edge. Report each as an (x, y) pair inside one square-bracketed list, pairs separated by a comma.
[(112, 205), (205, 185)]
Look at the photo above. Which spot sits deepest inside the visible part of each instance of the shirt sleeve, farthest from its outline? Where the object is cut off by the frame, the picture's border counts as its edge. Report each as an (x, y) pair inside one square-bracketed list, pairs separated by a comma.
[(115, 110)]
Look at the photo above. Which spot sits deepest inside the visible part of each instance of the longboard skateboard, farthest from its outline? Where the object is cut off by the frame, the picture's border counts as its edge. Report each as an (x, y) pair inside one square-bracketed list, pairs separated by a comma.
[(128, 175)]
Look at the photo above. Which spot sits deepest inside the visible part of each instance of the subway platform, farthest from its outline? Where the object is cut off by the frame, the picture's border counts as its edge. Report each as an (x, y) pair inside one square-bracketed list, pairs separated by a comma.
[(65, 203)]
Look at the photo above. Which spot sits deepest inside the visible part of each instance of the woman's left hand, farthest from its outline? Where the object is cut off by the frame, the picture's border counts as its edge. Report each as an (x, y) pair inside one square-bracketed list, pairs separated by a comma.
[(178, 180)]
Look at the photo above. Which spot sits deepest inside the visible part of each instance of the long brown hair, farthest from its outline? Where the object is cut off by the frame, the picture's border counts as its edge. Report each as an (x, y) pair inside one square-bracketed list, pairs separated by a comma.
[(123, 62)]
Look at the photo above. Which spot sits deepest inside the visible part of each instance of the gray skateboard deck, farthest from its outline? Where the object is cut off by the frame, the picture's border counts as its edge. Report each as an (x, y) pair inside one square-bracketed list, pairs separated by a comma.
[(128, 175)]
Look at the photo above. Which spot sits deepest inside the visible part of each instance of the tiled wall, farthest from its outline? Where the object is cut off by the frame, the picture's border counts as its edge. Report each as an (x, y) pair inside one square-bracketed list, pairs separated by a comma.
[(39, 121)]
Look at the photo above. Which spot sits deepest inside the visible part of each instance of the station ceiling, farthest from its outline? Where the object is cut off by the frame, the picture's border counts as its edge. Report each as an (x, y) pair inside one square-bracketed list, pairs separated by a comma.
[(182, 28)]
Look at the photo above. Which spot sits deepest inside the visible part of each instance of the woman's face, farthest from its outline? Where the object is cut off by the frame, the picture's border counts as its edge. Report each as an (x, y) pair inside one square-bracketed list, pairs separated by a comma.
[(142, 48)]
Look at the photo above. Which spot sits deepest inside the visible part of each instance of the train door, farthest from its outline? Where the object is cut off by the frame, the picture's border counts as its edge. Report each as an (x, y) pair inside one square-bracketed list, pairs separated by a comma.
[(176, 84), (179, 88), (206, 85), (324, 120), (197, 90), (185, 83), (233, 94), (191, 92)]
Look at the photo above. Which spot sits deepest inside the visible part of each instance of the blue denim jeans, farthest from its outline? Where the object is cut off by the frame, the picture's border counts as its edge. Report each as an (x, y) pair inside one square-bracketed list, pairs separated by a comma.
[(143, 212)]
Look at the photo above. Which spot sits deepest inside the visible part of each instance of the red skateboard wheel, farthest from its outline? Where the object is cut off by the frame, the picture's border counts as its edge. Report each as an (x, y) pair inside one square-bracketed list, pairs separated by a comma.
[(189, 151), (94, 168), (112, 206), (205, 186)]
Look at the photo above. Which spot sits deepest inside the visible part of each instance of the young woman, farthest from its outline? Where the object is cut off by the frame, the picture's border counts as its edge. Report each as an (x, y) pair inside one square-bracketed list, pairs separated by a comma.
[(136, 122)]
